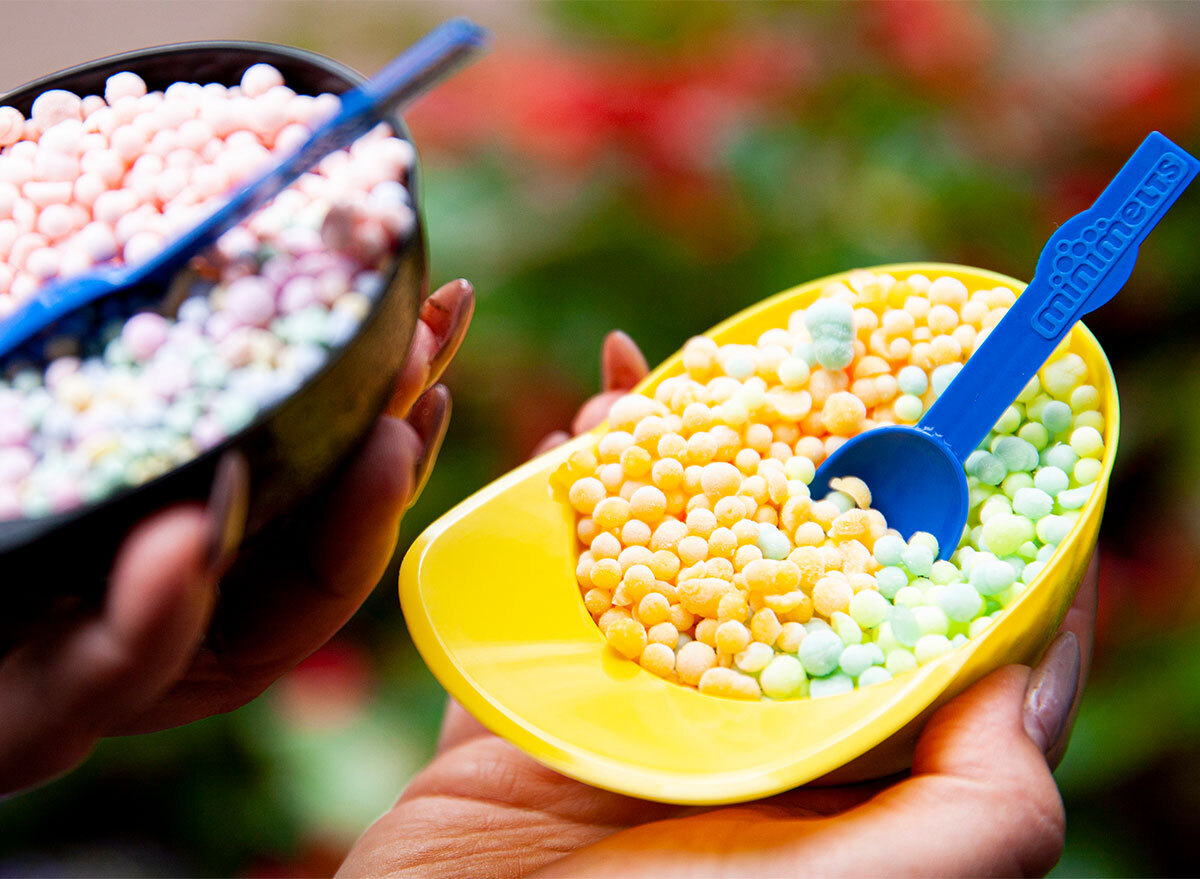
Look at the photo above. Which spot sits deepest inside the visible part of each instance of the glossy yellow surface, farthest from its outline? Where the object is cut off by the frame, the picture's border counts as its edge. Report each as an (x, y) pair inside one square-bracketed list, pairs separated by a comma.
[(490, 597)]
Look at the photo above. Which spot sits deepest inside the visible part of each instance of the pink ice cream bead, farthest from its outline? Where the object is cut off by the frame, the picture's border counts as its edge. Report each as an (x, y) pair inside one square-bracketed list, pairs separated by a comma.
[(56, 221), (251, 300), (112, 205), (10, 504), (8, 236), (64, 496), (56, 167), (92, 103), (24, 246), (259, 79), (88, 188), (8, 197), (47, 192), (73, 261), (105, 164), (127, 142), (16, 169), (125, 84), (14, 432), (206, 432), (12, 125), (97, 240), (42, 263), (142, 246), (16, 462), (55, 105), (143, 334), (298, 294)]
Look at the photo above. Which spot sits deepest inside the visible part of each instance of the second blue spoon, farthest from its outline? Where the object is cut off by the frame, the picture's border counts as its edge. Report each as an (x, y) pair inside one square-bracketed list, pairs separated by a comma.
[(916, 473)]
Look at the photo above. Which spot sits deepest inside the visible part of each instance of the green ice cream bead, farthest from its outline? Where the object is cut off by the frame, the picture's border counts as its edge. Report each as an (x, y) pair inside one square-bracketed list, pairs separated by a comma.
[(834, 685), (912, 380), (1033, 409), (1014, 482), (1032, 388), (889, 549), (1087, 470), (900, 660), (1074, 498), (971, 465), (931, 619), (991, 577), (1004, 533), (1031, 571), (918, 559), (1087, 442), (1033, 503), (1085, 397), (1009, 421), (1062, 456), (1051, 480), (942, 376), (874, 675), (960, 602), (994, 506), (990, 469), (909, 408), (1052, 530), (1056, 417), (891, 579), (1016, 454), (783, 677), (930, 647), (1035, 434), (905, 628), (943, 572), (869, 608), (846, 628), (978, 625), (1090, 418), (856, 659)]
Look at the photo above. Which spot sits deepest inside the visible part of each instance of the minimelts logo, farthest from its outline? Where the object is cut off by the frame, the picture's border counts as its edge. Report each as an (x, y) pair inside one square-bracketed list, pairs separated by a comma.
[(1080, 264)]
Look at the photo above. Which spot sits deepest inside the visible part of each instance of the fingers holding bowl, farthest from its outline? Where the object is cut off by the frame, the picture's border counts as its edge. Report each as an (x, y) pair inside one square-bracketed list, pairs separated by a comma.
[(444, 319)]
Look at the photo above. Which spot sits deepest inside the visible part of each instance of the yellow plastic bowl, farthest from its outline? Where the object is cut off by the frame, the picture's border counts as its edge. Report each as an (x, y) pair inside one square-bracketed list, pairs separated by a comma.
[(490, 597)]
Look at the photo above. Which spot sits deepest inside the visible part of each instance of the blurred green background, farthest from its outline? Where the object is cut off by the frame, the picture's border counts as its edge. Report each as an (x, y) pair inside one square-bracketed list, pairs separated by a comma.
[(656, 167)]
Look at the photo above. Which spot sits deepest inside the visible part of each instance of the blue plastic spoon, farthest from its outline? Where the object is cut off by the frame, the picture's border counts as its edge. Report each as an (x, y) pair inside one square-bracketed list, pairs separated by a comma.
[(916, 473), (432, 58)]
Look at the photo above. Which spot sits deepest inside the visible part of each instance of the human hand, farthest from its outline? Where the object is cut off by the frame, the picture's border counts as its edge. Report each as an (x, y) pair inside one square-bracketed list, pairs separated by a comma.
[(168, 646), (980, 799)]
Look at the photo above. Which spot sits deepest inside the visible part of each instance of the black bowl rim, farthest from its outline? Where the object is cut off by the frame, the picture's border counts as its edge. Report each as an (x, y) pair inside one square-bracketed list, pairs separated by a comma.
[(15, 532)]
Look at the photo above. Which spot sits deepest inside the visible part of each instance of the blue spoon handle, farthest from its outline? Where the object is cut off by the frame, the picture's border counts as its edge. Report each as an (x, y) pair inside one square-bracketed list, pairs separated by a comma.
[(434, 57), (1083, 265)]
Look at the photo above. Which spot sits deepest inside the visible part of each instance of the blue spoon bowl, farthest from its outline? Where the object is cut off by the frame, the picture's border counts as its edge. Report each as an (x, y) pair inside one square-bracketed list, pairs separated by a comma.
[(294, 447), (916, 474)]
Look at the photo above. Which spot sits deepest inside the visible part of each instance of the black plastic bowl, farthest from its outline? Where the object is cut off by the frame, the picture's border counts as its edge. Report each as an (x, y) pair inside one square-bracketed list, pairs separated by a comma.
[(293, 447)]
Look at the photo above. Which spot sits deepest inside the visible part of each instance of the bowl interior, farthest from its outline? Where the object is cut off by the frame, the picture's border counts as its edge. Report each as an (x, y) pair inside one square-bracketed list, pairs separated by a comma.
[(490, 596)]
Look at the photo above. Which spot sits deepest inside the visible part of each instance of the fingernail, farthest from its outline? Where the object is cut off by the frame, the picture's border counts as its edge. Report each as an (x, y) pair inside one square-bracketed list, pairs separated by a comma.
[(1051, 691), (550, 441), (622, 364), (227, 503), (449, 321), (430, 418)]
